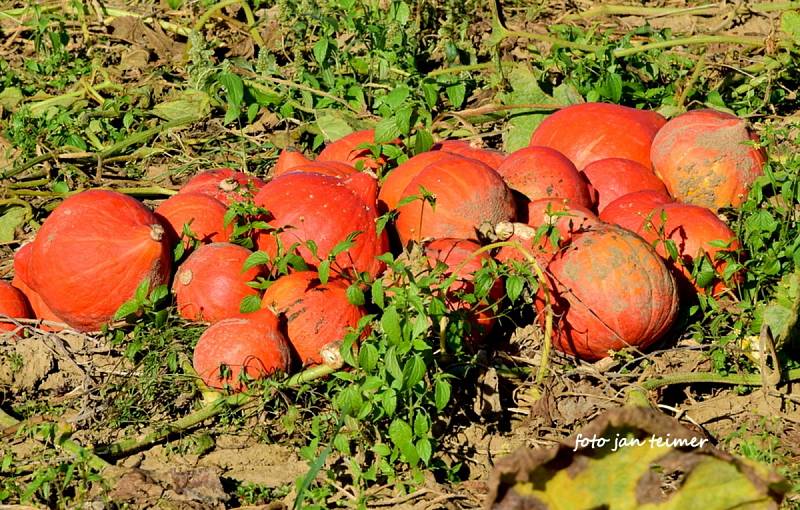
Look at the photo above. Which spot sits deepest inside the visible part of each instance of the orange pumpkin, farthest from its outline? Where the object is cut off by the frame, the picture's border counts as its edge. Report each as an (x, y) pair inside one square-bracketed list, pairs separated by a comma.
[(93, 252), (398, 179), (630, 211), (588, 132), (491, 158), (39, 308), (348, 149), (212, 283), (542, 172), (467, 193), (325, 210), (288, 159), (317, 316), (603, 301), (706, 158), (13, 305), (251, 345), (615, 177), (204, 215), (695, 231)]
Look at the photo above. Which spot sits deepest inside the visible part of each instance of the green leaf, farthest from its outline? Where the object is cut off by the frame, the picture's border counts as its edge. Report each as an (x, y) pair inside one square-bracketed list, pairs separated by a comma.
[(612, 87), (128, 308), (234, 88), (421, 425), (790, 25), (441, 392), (423, 141), (401, 436), (392, 365), (523, 122), (377, 293), (782, 311), (258, 258), (189, 104), (424, 449), (158, 294), (324, 271), (250, 304), (320, 50), (10, 221), (456, 94), (386, 130), (413, 371), (332, 124), (368, 357), (355, 295), (142, 291), (514, 285), (430, 90), (390, 324), (389, 402)]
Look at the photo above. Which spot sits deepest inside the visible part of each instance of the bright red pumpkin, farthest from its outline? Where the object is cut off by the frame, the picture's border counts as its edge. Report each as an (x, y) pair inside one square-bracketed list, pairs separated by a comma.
[(212, 283), (251, 345), (542, 172), (204, 215), (288, 159), (615, 177), (348, 150), (225, 184), (490, 157), (706, 158), (93, 252), (694, 230), (467, 194), (588, 132), (325, 210), (317, 316), (13, 305), (609, 290), (39, 308), (630, 211), (398, 179)]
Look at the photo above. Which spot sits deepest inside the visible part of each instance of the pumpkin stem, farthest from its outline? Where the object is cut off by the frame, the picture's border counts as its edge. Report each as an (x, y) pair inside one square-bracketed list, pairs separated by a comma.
[(228, 185), (156, 232)]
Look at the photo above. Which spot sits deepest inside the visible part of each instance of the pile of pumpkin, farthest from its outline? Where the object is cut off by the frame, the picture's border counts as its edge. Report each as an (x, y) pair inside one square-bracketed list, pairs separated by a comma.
[(609, 277)]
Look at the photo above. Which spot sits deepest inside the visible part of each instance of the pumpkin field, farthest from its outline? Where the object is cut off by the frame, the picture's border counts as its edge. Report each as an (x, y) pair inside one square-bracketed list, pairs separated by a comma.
[(414, 254)]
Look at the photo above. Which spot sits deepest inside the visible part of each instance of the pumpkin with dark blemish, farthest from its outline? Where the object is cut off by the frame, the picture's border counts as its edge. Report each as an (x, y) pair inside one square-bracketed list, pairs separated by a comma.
[(707, 158), (609, 290)]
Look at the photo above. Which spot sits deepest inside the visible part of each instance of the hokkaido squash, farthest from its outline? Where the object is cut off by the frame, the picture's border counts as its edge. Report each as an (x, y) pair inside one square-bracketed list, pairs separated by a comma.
[(225, 184), (466, 194), (588, 132), (93, 252), (333, 168), (324, 209), (212, 283), (630, 211), (288, 159), (39, 308), (696, 231), (202, 214), (13, 305), (251, 345), (348, 149), (609, 290), (317, 316), (398, 179), (542, 172), (615, 177), (706, 158)]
